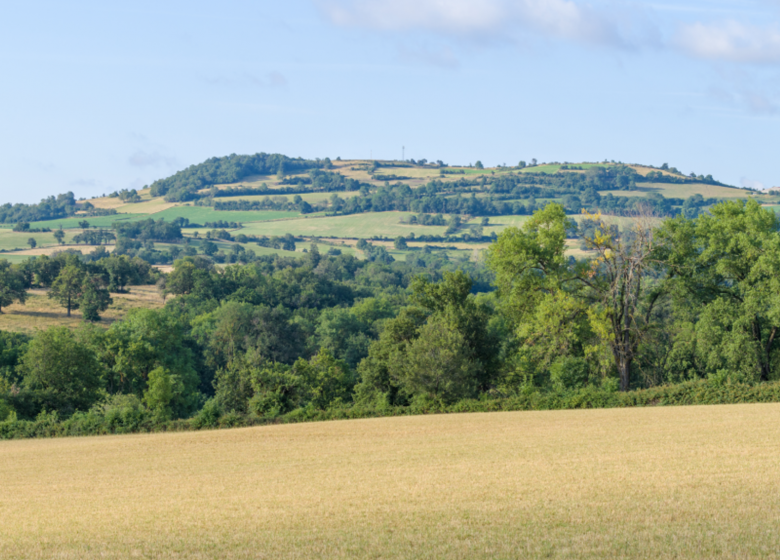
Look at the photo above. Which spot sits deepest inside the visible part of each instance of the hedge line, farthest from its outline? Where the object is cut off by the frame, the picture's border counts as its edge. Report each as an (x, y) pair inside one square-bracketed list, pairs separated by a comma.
[(127, 414)]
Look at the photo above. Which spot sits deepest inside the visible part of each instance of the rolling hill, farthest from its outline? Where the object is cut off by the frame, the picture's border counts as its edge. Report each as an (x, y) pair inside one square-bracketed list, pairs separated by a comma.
[(266, 196)]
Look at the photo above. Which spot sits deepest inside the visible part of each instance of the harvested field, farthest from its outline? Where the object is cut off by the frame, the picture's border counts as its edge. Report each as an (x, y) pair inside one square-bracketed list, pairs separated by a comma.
[(687, 482)]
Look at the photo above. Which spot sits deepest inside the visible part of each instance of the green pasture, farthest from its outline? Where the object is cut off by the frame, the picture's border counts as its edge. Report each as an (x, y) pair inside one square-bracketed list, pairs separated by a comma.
[(10, 240), (13, 258)]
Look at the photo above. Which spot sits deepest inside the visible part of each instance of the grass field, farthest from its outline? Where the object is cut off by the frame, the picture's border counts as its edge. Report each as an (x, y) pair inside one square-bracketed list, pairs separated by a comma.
[(687, 482), (10, 240), (40, 312)]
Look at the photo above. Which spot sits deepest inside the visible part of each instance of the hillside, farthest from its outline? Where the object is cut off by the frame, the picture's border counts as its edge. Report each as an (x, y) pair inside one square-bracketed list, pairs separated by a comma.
[(253, 199)]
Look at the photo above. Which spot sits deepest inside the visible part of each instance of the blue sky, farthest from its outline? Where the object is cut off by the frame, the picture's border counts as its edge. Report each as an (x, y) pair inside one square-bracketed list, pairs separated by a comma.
[(98, 97)]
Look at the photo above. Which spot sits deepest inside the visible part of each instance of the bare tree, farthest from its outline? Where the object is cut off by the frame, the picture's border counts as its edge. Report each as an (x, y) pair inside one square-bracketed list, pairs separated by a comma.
[(618, 278)]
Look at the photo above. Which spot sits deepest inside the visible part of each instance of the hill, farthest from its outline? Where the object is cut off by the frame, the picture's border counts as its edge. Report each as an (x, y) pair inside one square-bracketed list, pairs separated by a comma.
[(686, 482), (252, 199)]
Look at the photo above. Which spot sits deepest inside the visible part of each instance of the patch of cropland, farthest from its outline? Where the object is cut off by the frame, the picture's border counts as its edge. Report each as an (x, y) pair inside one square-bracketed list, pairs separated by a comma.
[(687, 482)]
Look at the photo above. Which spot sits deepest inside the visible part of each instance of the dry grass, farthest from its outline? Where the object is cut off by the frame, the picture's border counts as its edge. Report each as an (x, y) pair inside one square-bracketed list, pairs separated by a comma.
[(697, 482), (673, 190), (40, 312), (83, 249)]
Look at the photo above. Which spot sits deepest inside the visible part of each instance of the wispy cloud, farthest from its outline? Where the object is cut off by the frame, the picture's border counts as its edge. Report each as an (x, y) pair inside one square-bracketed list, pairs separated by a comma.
[(611, 23), (142, 158)]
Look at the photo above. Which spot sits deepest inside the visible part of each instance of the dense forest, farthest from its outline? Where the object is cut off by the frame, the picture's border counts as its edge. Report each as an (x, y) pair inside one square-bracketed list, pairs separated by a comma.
[(687, 302)]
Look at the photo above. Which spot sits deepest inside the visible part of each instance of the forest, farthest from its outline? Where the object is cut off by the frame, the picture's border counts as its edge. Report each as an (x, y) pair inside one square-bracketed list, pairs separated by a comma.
[(684, 308)]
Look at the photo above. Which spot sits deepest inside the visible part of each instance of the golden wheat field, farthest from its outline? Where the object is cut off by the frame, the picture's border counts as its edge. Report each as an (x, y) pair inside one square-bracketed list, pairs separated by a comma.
[(688, 482)]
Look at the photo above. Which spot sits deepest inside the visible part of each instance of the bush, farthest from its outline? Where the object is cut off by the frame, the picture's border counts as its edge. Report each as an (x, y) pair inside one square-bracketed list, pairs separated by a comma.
[(208, 416)]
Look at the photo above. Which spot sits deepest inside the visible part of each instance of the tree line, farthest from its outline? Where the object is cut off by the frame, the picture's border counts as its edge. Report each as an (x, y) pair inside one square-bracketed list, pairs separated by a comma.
[(683, 300)]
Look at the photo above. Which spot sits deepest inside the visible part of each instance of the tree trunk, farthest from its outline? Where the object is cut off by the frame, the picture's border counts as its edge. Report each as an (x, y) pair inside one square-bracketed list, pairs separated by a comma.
[(68, 307), (624, 368)]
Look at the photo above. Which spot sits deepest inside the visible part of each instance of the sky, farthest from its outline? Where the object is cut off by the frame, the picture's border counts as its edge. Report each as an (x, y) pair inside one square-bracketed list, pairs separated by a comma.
[(100, 96)]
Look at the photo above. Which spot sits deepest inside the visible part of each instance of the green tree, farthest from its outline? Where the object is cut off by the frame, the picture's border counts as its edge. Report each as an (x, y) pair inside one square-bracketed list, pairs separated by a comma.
[(68, 370), (329, 380), (121, 272), (145, 340), (160, 392), (94, 298), (400, 243), (209, 248), (59, 235), (32, 243), (233, 386), (541, 288), (723, 269), (12, 285), (438, 364), (479, 165), (68, 286)]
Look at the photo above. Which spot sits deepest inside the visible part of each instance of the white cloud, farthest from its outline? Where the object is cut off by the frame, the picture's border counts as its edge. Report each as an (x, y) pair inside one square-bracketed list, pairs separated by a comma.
[(479, 19), (731, 41)]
